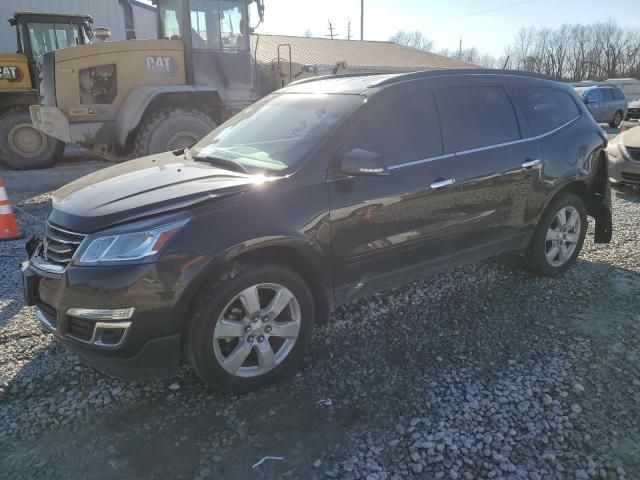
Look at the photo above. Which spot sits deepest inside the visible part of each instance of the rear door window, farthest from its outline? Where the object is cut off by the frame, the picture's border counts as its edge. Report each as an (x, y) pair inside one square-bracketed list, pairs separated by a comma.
[(475, 117), (402, 129), (545, 108)]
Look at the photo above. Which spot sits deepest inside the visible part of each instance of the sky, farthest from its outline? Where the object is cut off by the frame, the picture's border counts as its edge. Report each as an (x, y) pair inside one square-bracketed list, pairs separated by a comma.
[(444, 22)]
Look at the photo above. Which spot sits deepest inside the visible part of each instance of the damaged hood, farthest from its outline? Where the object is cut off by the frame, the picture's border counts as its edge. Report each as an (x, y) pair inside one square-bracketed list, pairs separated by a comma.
[(139, 188)]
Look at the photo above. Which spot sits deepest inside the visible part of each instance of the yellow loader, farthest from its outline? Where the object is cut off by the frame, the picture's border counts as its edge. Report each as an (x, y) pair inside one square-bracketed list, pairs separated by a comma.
[(22, 146)]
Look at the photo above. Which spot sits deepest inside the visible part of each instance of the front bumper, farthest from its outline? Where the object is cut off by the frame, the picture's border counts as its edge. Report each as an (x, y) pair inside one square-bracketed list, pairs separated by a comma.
[(622, 170), (143, 346)]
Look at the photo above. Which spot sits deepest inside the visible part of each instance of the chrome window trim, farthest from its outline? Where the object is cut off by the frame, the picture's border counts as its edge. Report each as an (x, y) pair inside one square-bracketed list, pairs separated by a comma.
[(480, 149), (418, 162)]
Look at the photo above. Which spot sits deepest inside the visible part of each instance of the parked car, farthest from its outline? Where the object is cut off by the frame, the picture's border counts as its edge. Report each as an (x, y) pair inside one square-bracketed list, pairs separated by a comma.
[(624, 157), (633, 112), (319, 194), (606, 104)]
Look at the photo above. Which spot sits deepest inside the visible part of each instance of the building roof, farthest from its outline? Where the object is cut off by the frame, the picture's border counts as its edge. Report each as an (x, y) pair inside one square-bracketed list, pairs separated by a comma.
[(379, 56)]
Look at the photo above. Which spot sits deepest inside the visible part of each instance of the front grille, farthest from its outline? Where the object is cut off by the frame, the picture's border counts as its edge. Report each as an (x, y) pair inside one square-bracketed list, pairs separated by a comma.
[(80, 329), (60, 245), (634, 153), (631, 177)]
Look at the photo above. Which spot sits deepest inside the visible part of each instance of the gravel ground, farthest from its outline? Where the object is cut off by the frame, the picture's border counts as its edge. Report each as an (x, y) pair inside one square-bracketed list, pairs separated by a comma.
[(484, 372)]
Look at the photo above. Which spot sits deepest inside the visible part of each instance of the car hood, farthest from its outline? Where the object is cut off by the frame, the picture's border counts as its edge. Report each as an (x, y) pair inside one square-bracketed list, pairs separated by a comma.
[(634, 104), (142, 187)]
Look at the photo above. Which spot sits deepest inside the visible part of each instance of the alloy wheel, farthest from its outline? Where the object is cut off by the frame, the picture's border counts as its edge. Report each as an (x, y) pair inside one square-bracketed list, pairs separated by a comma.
[(257, 330), (563, 236)]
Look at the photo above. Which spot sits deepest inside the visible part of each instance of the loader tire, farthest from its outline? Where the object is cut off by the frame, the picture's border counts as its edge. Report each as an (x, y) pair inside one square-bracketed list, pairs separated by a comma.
[(24, 148), (169, 130)]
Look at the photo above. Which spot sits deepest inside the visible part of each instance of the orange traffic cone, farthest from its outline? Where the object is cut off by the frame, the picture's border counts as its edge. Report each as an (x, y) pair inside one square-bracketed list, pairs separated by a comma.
[(9, 229)]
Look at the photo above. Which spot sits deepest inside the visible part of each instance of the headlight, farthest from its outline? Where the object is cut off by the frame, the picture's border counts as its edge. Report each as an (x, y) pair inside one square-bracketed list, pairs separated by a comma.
[(132, 245), (623, 151)]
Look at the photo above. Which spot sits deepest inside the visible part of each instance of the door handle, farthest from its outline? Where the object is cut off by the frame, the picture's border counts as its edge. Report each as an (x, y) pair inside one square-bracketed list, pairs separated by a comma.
[(531, 163), (442, 183)]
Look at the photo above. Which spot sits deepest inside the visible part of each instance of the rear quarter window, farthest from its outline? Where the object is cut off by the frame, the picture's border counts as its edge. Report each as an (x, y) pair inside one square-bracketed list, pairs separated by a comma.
[(545, 108), (475, 117), (618, 94)]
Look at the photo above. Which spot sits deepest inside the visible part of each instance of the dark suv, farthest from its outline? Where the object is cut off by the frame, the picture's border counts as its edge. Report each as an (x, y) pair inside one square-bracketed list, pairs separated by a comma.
[(321, 193)]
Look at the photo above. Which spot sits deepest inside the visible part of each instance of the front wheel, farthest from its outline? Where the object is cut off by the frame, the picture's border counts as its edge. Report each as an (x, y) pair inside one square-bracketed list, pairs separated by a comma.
[(617, 120), (250, 327), (559, 236)]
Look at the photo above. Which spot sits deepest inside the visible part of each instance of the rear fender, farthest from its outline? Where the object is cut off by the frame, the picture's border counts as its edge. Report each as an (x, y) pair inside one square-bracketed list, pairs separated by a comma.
[(139, 99)]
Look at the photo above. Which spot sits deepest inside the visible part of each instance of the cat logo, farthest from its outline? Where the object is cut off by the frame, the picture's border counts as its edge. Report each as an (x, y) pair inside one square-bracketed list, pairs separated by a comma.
[(11, 73), (164, 65)]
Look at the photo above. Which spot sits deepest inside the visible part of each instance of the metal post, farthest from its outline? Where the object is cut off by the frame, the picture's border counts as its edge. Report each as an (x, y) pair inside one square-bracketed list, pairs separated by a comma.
[(361, 20)]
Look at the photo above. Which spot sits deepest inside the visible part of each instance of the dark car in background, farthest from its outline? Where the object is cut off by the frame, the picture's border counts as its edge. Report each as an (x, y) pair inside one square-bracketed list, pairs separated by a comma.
[(326, 191), (624, 157), (607, 104)]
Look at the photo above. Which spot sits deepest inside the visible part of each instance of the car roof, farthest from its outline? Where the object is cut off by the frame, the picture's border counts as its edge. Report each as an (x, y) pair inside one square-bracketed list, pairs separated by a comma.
[(358, 83)]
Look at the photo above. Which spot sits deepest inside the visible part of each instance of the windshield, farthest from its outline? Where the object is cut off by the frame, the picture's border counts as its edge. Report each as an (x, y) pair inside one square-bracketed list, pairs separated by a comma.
[(46, 37), (277, 132)]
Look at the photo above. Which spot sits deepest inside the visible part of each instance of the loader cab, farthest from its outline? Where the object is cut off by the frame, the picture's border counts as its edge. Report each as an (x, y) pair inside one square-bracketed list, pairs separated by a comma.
[(40, 33), (216, 38)]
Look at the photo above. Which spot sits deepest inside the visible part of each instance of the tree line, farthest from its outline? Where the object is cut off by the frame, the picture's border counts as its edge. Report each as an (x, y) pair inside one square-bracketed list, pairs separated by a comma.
[(572, 52)]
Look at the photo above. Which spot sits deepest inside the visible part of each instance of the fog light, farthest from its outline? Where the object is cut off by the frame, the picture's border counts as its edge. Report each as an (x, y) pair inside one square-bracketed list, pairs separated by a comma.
[(100, 314), (110, 335)]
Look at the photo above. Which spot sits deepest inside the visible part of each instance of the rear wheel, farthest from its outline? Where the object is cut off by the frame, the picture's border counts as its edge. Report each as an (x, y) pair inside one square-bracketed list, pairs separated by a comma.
[(250, 327), (617, 120), (171, 130), (559, 236), (22, 147)]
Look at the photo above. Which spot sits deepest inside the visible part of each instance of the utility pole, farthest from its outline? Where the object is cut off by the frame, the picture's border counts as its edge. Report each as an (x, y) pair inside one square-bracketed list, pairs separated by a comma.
[(331, 34), (361, 20), (460, 51), (349, 30)]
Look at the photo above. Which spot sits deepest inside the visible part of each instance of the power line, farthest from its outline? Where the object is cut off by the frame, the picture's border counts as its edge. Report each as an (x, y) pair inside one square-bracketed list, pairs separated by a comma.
[(482, 12)]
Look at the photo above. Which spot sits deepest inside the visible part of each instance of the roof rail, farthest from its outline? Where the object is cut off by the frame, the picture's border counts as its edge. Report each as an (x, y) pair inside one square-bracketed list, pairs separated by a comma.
[(468, 71), (339, 75)]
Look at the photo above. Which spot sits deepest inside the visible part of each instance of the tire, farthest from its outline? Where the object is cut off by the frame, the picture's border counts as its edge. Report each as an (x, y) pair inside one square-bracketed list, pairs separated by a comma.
[(617, 119), (211, 352), (169, 130), (24, 148), (540, 248)]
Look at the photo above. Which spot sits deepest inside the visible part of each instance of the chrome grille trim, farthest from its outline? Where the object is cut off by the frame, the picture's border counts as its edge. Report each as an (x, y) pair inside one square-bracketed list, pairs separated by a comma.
[(57, 249)]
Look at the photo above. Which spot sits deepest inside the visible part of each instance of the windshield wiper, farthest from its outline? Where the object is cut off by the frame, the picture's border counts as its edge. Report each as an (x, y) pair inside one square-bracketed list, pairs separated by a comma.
[(224, 162)]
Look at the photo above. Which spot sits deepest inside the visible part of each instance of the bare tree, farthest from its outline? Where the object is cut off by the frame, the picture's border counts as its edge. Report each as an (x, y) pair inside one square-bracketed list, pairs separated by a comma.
[(415, 39), (578, 52)]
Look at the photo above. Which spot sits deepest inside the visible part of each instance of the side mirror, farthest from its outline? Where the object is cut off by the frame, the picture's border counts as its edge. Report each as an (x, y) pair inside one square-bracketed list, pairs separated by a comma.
[(363, 162)]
